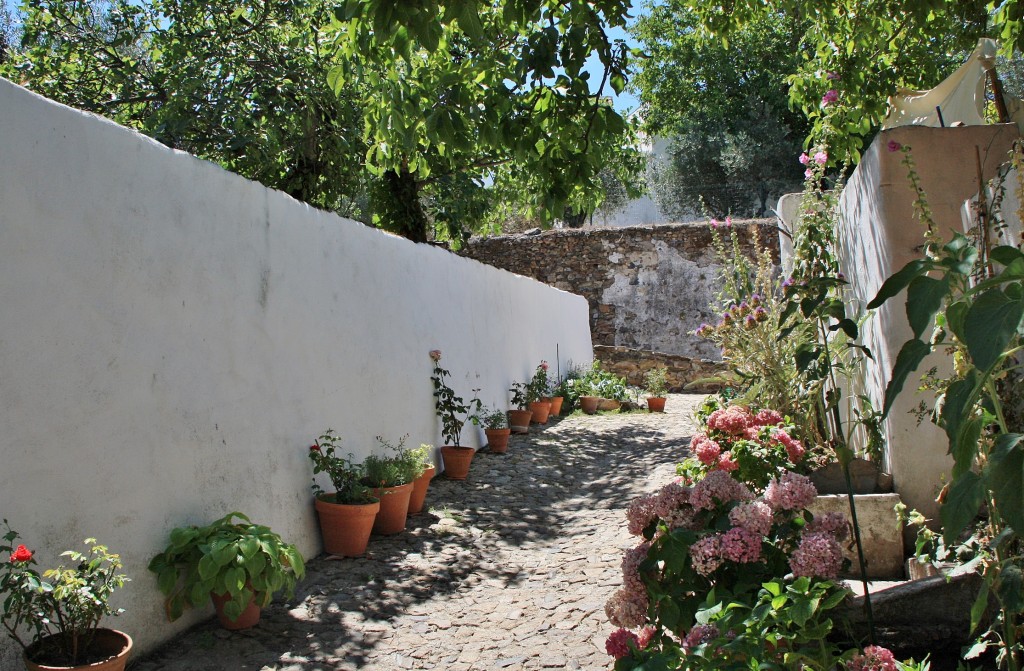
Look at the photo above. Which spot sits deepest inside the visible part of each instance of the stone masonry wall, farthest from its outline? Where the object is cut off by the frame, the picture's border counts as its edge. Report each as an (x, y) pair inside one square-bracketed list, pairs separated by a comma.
[(685, 374)]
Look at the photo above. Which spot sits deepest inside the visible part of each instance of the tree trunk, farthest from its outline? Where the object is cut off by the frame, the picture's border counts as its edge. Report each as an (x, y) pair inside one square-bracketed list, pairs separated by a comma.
[(404, 213)]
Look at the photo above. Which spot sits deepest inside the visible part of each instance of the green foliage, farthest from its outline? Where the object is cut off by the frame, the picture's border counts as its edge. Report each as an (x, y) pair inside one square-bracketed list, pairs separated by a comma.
[(493, 419), (248, 561), (539, 386), (345, 474), (400, 468), (656, 381), (602, 383), (62, 608), (450, 406)]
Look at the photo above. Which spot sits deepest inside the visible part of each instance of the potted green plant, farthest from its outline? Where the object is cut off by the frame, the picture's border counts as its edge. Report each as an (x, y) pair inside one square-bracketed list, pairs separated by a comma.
[(496, 428), (236, 564), (539, 395), (391, 476), (347, 515), (656, 385), (62, 608), (421, 455), (449, 407), (520, 414)]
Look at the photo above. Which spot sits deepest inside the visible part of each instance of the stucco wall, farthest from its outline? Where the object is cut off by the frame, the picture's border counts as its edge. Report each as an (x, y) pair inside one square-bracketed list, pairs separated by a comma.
[(174, 336)]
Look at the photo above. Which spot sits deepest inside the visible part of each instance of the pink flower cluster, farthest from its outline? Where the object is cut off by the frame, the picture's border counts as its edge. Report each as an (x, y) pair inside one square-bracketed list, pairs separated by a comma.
[(875, 658), (640, 514), (755, 517), (701, 633), (732, 421), (794, 448), (706, 554), (791, 491), (741, 546), (817, 555), (628, 606), (621, 640), (672, 504), (716, 488), (834, 524), (705, 449)]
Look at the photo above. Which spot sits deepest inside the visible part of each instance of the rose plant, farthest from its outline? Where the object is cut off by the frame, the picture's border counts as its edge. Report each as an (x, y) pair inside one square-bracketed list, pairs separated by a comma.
[(449, 405), (539, 386), (54, 617)]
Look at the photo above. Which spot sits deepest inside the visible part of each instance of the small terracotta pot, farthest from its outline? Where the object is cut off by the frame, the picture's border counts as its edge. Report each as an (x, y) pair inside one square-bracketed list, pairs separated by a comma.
[(249, 618), (345, 527), (116, 644), (656, 404), (497, 439), (519, 421), (556, 405), (394, 509), (419, 490), (457, 461), (588, 404), (540, 410)]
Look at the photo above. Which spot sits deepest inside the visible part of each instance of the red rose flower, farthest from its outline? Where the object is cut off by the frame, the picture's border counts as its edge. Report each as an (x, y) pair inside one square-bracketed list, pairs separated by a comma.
[(21, 554), (314, 447)]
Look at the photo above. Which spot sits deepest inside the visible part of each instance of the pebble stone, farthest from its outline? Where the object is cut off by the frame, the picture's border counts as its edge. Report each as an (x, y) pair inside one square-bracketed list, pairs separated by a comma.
[(509, 569)]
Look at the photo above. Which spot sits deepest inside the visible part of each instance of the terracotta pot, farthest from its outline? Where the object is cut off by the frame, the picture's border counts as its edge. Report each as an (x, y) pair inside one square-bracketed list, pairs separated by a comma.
[(540, 410), (394, 508), (497, 439), (588, 404), (656, 404), (419, 490), (556, 405), (115, 645), (345, 527), (250, 616), (608, 404), (457, 461), (519, 420)]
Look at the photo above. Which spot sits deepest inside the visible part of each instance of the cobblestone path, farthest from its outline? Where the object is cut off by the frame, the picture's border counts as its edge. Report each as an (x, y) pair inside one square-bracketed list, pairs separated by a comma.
[(509, 569)]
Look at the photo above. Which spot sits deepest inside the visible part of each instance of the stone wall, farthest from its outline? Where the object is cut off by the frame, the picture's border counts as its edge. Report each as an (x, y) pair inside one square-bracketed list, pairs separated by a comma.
[(685, 374)]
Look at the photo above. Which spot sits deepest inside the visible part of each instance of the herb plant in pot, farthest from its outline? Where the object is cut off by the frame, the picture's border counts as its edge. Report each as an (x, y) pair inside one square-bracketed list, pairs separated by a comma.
[(538, 394), (391, 477), (496, 429), (656, 384), (449, 406), (421, 455), (346, 515), (62, 608), (519, 417), (236, 564)]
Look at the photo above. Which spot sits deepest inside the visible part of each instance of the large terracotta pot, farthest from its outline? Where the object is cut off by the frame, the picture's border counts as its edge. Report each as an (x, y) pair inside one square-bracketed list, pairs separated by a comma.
[(419, 490), (656, 404), (519, 420), (345, 527), (394, 509), (110, 643), (540, 410), (556, 405), (588, 404), (250, 616), (457, 461), (497, 440)]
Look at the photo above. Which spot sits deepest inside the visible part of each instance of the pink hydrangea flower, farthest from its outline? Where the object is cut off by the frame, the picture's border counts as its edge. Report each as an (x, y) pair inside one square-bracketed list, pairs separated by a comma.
[(631, 561), (706, 554), (817, 555), (705, 449), (767, 418), (794, 448), (834, 524), (671, 498), (718, 487), (732, 420), (645, 637), (875, 658), (618, 643), (627, 609), (727, 463), (792, 491), (755, 517), (701, 633), (741, 546), (640, 514)]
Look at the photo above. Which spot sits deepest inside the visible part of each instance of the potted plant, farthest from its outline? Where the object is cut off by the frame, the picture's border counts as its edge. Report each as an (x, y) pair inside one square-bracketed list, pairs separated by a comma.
[(656, 384), (347, 515), (421, 484), (62, 608), (538, 394), (496, 429), (391, 478), (449, 407), (236, 564), (520, 415)]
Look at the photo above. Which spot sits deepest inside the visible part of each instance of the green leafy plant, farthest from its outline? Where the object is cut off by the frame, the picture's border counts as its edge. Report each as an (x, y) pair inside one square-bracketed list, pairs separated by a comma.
[(602, 383), (63, 607), (520, 395), (493, 419), (400, 467), (449, 405), (539, 386), (345, 474), (656, 381), (245, 560)]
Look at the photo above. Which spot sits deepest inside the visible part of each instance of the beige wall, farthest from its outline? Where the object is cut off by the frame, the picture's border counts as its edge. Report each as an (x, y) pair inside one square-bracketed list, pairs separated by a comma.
[(174, 336)]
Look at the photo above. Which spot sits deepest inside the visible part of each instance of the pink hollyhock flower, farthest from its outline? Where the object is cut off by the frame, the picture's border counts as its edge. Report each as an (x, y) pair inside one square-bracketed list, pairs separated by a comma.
[(702, 633), (741, 546), (727, 463), (792, 491), (618, 643), (640, 514), (627, 609), (834, 524), (817, 555), (767, 418), (794, 448), (894, 145), (732, 420), (821, 158), (804, 158), (830, 97), (755, 517), (706, 554), (714, 223), (808, 173), (718, 487), (705, 449), (875, 658), (728, 221)]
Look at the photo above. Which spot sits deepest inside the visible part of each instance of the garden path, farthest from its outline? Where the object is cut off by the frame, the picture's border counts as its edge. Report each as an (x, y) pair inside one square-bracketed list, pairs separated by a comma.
[(507, 570)]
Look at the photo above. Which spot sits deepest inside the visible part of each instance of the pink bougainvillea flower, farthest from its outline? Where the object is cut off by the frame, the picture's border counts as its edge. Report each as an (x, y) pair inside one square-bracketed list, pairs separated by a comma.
[(435, 354), (618, 643), (830, 97), (21, 554), (894, 145)]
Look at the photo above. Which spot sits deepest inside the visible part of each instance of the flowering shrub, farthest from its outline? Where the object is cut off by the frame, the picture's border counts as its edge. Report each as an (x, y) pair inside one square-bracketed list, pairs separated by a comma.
[(539, 386)]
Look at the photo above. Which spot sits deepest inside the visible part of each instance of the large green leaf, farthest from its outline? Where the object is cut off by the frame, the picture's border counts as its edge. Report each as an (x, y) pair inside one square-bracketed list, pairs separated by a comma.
[(897, 282), (1009, 590), (1005, 474), (907, 361), (924, 298), (958, 408), (990, 324), (963, 501)]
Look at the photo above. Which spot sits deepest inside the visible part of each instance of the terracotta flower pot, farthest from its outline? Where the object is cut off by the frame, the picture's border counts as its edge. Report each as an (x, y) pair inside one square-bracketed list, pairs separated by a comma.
[(588, 404), (419, 490), (608, 404), (457, 461), (110, 643), (394, 509), (540, 410), (345, 527), (656, 404), (497, 439), (556, 405), (519, 421), (249, 618)]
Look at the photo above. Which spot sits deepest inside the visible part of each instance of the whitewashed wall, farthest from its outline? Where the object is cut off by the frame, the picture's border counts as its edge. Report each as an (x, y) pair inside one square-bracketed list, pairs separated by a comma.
[(174, 336)]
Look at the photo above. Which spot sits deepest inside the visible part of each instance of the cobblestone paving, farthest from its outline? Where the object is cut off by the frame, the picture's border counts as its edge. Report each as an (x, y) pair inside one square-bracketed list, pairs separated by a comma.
[(509, 569)]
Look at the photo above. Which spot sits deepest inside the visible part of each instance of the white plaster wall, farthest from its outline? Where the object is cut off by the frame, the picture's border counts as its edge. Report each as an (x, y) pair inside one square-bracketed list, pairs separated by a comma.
[(174, 336)]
